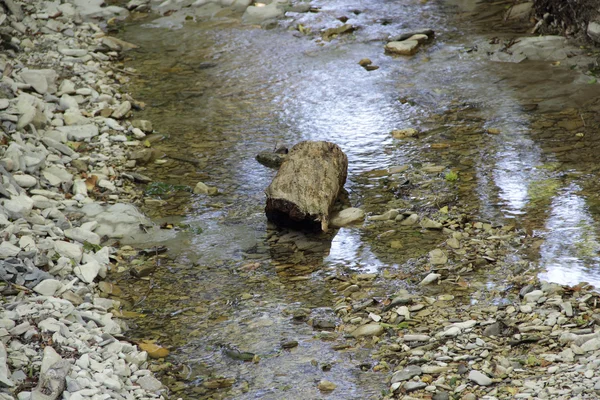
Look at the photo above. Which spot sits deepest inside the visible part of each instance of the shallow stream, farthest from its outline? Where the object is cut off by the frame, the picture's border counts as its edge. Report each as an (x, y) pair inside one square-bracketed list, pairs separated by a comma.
[(522, 139)]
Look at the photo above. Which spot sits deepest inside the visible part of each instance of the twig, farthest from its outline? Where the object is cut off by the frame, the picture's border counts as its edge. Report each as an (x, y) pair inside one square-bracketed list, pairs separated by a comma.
[(146, 295), (582, 120)]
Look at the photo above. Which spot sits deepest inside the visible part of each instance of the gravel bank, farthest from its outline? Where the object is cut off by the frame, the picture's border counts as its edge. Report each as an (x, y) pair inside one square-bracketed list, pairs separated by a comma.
[(65, 140)]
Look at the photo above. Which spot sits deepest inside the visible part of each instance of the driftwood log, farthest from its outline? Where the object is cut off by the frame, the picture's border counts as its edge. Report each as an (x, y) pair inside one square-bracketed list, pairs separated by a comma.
[(307, 185)]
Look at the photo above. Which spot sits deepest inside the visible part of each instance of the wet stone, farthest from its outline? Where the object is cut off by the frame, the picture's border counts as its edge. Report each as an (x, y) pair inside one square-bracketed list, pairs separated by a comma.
[(414, 386), (407, 373), (368, 330)]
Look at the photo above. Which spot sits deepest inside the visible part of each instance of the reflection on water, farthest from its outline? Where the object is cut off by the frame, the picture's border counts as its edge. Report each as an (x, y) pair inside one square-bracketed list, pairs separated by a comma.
[(571, 246)]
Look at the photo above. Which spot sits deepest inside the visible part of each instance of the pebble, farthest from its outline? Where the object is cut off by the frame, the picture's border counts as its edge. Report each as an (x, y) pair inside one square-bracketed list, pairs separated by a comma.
[(480, 378)]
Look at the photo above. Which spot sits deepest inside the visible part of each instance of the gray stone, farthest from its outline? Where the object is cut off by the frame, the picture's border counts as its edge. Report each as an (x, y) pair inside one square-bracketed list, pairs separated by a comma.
[(519, 11), (390, 214), (149, 383), (406, 373), (430, 224), (368, 330), (36, 80), (57, 176), (480, 378), (122, 110), (414, 386), (533, 297), (54, 144), (347, 217), (48, 287), (593, 31), (78, 133), (18, 206), (437, 257), (591, 345), (81, 235), (25, 181), (142, 124), (4, 372), (410, 220), (256, 15)]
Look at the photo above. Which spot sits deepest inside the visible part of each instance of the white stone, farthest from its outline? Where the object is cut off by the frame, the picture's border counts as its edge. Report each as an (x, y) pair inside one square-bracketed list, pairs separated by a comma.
[(8, 250), (70, 250), (79, 187), (79, 133), (48, 287), (87, 272), (66, 87), (81, 235), (50, 358), (430, 278)]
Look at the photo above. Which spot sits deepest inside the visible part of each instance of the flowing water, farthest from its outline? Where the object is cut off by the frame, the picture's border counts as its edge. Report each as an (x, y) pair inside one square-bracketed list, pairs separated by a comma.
[(222, 92)]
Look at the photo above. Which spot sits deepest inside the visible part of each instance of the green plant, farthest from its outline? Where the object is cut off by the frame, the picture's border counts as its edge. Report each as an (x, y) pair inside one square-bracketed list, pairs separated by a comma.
[(162, 189), (451, 176)]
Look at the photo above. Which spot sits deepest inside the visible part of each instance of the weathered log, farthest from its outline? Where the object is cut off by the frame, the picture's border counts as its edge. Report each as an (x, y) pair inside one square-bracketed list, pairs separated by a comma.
[(306, 186)]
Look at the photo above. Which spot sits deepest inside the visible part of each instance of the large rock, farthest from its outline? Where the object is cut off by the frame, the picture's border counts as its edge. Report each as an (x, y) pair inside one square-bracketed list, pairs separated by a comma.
[(593, 31)]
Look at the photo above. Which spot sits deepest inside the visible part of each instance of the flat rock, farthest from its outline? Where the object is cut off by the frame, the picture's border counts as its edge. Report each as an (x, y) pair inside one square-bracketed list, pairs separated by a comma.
[(81, 235), (347, 217), (48, 287), (368, 330), (403, 48), (18, 206), (406, 373), (149, 383), (8, 250), (79, 133), (437, 257), (480, 378)]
